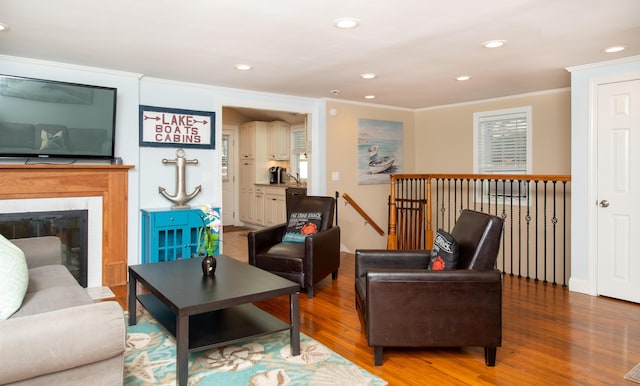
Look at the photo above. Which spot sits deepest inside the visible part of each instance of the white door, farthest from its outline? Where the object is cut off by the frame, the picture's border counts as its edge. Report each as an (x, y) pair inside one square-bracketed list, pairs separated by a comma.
[(228, 176), (618, 126)]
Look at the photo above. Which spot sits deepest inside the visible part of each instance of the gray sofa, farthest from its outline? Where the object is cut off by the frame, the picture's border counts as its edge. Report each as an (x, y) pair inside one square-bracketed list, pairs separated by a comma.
[(59, 336), (35, 138)]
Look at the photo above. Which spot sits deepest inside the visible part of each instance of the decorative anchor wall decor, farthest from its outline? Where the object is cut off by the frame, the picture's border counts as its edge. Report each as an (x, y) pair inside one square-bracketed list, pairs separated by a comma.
[(181, 197)]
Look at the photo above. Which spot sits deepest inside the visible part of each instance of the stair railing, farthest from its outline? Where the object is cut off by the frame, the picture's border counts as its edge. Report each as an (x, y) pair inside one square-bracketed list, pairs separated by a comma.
[(363, 213)]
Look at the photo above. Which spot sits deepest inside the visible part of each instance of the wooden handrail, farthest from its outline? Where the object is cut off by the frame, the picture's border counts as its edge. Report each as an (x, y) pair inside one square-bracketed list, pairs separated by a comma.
[(363, 213)]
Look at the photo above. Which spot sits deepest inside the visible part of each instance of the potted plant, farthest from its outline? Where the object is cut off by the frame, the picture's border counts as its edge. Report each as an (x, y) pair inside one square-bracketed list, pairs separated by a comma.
[(208, 236)]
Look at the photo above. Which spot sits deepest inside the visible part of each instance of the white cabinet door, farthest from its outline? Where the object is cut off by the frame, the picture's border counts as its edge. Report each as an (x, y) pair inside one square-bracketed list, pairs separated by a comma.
[(278, 141), (258, 206)]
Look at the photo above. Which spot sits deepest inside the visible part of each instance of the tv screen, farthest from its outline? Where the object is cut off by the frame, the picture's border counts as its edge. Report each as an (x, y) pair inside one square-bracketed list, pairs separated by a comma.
[(50, 119)]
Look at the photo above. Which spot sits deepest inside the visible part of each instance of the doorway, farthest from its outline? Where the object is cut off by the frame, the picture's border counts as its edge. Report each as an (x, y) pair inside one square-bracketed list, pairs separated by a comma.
[(233, 117), (618, 190)]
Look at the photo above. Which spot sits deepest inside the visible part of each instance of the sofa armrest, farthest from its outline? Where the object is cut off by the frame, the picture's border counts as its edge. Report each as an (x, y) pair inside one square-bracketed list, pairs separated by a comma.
[(39, 251), (59, 340), (265, 238), (367, 259)]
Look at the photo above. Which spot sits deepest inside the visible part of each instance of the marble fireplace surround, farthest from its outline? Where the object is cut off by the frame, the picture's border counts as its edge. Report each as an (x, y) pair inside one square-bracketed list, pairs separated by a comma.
[(108, 182)]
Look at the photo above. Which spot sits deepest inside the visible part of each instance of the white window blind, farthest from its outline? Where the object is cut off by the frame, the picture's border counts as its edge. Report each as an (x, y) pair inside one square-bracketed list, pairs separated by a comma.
[(299, 141), (502, 143)]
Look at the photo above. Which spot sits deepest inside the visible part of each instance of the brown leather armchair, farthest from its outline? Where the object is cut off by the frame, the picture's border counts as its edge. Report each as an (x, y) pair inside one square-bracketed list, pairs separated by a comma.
[(305, 263), (403, 304)]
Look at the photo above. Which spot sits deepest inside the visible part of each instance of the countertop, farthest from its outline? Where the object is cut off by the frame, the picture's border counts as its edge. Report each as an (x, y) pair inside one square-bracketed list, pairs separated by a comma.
[(281, 185)]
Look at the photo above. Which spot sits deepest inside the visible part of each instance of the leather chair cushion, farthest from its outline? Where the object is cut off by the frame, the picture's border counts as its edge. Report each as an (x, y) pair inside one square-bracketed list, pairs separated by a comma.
[(282, 257)]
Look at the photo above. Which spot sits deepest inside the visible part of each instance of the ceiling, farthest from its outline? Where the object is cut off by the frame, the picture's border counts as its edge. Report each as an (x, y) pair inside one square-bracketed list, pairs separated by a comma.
[(416, 47)]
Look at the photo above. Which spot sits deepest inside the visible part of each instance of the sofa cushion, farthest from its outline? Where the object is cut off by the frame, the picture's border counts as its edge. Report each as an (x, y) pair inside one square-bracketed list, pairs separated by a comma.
[(445, 253), (18, 135), (14, 278), (301, 225), (48, 276), (282, 257), (51, 299)]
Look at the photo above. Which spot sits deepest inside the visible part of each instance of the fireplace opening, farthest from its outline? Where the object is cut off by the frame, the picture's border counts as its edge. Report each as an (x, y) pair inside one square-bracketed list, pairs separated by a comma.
[(69, 225)]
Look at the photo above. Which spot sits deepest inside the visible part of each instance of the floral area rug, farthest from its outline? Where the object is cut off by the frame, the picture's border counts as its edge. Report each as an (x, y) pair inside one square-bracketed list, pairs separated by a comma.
[(150, 359)]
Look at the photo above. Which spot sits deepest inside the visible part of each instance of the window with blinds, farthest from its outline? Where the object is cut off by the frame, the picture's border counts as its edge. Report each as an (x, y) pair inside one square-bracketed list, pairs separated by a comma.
[(299, 160), (502, 146), (299, 140)]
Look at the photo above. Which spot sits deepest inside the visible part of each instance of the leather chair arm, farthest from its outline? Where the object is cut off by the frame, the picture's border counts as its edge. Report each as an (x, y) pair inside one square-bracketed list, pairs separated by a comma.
[(424, 306), (367, 259), (426, 275), (315, 243), (263, 239), (322, 253)]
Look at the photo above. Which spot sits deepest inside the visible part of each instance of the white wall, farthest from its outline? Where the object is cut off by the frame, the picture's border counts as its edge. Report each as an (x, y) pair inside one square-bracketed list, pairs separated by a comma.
[(584, 81), (149, 172)]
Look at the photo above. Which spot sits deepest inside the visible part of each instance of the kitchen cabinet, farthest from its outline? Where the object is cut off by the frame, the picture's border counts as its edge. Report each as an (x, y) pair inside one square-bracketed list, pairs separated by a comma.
[(253, 136), (258, 205), (247, 181), (170, 234), (275, 210), (278, 141)]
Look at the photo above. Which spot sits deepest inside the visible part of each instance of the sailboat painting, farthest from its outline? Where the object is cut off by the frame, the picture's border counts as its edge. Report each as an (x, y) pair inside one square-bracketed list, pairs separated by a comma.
[(380, 149)]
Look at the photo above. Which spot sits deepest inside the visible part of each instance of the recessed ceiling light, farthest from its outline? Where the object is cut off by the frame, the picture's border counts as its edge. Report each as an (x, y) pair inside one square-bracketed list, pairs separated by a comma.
[(243, 67), (346, 23), (368, 75), (494, 43), (3, 27), (463, 77), (370, 97), (612, 49)]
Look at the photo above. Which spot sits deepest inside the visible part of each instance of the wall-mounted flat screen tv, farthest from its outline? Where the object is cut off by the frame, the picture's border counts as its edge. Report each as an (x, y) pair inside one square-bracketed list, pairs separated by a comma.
[(50, 119)]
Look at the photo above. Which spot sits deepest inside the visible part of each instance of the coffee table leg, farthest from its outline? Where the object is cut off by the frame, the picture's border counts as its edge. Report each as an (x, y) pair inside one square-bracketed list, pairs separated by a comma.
[(182, 349), (132, 299), (294, 317)]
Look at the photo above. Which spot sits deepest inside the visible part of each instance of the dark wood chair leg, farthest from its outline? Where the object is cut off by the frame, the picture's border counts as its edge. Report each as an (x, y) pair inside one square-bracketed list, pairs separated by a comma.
[(334, 275), (377, 355), (490, 356), (310, 292)]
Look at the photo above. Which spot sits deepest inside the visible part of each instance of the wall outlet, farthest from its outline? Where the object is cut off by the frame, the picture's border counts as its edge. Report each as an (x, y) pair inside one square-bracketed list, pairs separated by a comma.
[(335, 176)]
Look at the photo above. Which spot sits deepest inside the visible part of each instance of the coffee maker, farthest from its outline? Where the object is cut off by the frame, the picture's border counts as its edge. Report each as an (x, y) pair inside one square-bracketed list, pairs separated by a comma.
[(274, 175)]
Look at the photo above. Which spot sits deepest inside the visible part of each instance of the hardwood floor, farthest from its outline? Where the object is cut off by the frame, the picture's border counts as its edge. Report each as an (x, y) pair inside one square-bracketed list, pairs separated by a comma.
[(550, 335)]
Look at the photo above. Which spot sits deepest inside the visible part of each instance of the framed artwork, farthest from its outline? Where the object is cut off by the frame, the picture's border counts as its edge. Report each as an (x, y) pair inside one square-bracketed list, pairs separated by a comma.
[(380, 150), (161, 126)]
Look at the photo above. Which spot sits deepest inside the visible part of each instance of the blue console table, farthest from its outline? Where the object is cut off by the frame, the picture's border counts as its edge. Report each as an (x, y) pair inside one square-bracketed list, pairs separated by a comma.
[(170, 234)]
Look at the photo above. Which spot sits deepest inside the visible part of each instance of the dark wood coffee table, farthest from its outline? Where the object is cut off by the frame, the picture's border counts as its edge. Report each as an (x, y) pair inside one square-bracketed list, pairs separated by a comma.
[(205, 312)]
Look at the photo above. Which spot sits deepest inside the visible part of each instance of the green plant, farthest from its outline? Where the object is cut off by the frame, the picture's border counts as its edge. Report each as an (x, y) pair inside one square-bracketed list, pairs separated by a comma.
[(208, 234)]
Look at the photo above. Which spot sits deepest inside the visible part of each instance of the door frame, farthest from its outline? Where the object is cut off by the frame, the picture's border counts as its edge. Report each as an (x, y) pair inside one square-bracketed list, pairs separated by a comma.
[(316, 124), (234, 181), (592, 175)]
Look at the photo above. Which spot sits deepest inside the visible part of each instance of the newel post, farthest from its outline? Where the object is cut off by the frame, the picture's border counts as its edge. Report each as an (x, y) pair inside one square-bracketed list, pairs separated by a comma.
[(392, 239), (428, 230)]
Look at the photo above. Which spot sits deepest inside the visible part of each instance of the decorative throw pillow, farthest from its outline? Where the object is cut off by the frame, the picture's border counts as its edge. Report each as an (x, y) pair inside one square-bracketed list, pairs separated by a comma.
[(444, 254), (52, 141), (301, 225), (14, 278)]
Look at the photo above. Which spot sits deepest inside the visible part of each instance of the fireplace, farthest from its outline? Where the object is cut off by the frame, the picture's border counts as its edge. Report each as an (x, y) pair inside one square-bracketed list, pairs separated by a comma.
[(68, 225), (105, 185)]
